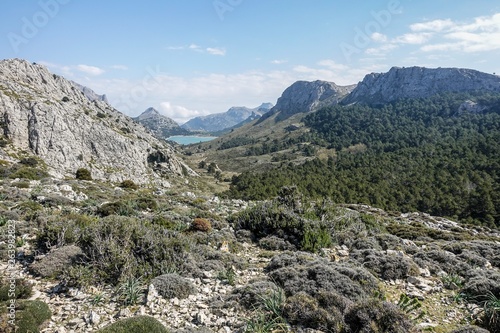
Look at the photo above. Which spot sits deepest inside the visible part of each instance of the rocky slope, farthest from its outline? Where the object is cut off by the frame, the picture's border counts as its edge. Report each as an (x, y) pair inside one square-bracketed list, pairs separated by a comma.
[(48, 116), (90, 94), (418, 82), (304, 96), (161, 126), (230, 118)]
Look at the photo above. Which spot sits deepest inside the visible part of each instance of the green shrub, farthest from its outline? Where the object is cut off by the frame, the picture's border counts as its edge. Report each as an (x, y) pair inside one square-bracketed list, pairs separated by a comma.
[(139, 324), (470, 329), (31, 315), (83, 174), (29, 161), (117, 247), (30, 173), (122, 208), (173, 285), (315, 239), (386, 266), (128, 184), (23, 289), (146, 203)]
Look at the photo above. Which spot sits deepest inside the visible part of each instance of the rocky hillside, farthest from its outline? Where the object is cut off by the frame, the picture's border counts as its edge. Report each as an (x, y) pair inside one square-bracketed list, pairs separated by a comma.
[(45, 115), (161, 126), (221, 121), (192, 262), (419, 82), (304, 96)]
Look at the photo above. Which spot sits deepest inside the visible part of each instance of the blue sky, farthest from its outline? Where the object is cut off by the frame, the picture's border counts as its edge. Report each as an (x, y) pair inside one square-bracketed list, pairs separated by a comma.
[(195, 57)]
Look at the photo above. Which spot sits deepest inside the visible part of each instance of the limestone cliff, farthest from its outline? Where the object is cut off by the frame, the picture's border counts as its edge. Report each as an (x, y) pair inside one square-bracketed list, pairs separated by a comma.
[(304, 96), (48, 116), (419, 82)]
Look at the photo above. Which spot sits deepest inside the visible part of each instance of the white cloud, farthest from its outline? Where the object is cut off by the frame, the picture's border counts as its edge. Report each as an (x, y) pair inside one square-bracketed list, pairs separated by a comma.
[(179, 113), (436, 25), (120, 67), (381, 51), (480, 35), (378, 37), (216, 51), (413, 38), (91, 70), (197, 48), (279, 62)]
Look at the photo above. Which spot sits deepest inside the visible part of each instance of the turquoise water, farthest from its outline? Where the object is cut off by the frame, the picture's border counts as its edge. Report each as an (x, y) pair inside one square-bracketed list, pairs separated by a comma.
[(187, 140)]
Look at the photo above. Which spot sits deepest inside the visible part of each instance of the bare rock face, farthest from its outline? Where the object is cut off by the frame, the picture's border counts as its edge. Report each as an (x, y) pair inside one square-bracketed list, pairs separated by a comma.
[(48, 116), (304, 96), (419, 82)]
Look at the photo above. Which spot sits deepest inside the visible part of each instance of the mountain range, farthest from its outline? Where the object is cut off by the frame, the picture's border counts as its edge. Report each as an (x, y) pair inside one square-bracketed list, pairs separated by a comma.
[(232, 118)]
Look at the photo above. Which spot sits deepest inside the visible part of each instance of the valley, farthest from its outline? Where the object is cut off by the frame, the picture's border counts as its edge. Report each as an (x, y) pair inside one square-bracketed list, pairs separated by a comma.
[(359, 208)]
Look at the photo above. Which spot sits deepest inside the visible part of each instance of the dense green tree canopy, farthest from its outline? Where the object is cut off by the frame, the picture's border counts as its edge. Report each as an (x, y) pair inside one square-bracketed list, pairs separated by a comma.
[(419, 154)]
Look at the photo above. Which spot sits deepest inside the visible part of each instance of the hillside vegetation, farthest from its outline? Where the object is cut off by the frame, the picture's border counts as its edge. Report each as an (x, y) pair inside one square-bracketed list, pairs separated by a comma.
[(428, 154)]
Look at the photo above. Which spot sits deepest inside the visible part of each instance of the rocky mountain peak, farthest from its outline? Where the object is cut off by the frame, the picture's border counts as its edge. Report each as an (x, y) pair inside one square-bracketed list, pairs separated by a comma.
[(307, 96), (419, 82), (150, 112), (44, 114), (162, 127)]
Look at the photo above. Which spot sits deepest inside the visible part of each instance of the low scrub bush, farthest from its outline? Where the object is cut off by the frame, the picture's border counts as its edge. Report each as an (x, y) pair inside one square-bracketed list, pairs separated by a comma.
[(470, 329), (321, 275), (139, 324), (386, 266), (129, 184), (173, 285), (83, 174), (303, 310), (201, 224), (376, 316), (56, 261), (250, 296), (23, 289), (117, 247), (30, 316)]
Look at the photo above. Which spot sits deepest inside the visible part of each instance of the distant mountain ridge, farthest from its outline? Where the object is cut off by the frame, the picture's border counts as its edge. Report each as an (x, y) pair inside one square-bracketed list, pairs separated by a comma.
[(419, 82), (161, 126), (230, 118)]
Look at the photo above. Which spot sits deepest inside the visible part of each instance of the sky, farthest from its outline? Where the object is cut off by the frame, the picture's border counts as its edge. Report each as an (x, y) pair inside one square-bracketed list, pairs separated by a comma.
[(190, 58)]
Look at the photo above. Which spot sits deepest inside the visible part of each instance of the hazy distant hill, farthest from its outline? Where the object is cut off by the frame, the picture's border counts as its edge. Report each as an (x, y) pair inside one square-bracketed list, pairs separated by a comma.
[(230, 118), (161, 126)]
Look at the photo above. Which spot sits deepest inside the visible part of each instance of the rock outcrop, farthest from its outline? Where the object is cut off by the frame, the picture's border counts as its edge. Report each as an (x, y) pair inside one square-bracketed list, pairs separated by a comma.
[(90, 94), (229, 119), (48, 116), (419, 82), (161, 126), (304, 96)]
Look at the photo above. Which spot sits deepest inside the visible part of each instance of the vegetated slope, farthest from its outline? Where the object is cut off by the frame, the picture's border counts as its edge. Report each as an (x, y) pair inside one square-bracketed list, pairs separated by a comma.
[(48, 116), (161, 126), (437, 155)]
